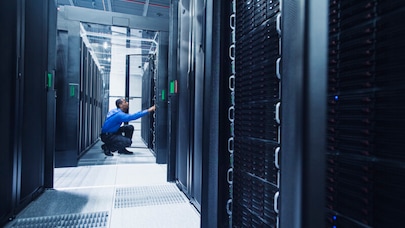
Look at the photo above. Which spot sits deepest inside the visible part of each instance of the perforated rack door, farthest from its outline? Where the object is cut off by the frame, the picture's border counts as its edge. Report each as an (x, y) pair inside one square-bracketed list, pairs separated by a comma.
[(365, 158), (257, 101)]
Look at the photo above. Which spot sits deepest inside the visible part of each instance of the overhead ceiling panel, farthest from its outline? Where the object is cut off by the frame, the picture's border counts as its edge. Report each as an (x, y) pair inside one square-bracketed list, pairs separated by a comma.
[(107, 44), (128, 8), (141, 8)]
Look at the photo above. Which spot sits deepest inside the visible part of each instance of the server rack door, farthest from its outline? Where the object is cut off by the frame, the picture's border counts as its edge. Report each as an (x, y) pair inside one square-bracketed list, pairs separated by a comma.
[(217, 131), (172, 93), (303, 113), (256, 127), (83, 70), (61, 142), (160, 126), (183, 129), (51, 96), (365, 147), (197, 104), (146, 97), (8, 44), (33, 100), (67, 148)]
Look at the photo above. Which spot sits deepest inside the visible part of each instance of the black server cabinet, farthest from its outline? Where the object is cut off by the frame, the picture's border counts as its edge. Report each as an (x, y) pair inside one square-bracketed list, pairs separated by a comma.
[(33, 87), (51, 96), (68, 94), (28, 77), (9, 43), (256, 122), (218, 130), (161, 91), (148, 83), (198, 71), (199, 102), (154, 127), (91, 94), (303, 112), (80, 95), (198, 124), (85, 59), (190, 96), (172, 92), (183, 161), (365, 157)]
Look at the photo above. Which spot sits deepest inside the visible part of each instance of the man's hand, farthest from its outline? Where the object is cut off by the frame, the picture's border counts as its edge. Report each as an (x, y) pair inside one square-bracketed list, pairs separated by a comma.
[(152, 109)]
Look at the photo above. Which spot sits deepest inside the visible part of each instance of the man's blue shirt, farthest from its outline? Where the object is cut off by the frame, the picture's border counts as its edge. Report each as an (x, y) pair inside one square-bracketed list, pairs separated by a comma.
[(116, 117)]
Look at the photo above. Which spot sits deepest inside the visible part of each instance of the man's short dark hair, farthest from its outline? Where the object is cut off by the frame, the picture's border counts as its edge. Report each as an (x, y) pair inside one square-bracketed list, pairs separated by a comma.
[(118, 102)]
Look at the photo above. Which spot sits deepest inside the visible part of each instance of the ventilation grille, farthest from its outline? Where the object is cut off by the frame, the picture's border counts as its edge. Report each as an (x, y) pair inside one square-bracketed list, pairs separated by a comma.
[(147, 196), (98, 219)]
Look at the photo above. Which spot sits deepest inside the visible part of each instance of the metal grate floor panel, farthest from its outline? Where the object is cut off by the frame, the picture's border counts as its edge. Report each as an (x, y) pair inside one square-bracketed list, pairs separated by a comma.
[(147, 196), (97, 219)]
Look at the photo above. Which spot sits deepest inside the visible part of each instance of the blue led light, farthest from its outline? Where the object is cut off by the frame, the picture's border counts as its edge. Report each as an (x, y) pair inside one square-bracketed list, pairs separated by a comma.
[(334, 226), (336, 97), (334, 217)]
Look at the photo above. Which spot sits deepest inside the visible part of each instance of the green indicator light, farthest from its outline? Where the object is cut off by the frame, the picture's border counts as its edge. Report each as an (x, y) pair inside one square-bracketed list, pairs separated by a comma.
[(172, 87), (72, 90), (163, 95), (49, 80)]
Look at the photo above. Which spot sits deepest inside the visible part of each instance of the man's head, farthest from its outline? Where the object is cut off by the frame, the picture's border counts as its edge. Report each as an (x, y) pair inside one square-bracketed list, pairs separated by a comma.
[(122, 104)]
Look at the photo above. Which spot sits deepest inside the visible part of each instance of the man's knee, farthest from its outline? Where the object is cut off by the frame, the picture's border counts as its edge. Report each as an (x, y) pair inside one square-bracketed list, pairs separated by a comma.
[(127, 142)]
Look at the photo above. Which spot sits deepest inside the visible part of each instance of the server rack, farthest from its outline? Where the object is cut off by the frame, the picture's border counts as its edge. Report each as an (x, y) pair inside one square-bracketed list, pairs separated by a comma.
[(365, 163), (183, 162), (161, 90), (190, 98), (197, 84), (303, 112), (172, 91), (201, 86), (90, 105), (29, 119), (256, 122), (148, 83), (9, 24), (68, 87), (79, 95)]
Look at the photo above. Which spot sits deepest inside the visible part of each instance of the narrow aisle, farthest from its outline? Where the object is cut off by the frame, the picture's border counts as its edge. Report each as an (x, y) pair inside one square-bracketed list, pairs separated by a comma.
[(117, 191)]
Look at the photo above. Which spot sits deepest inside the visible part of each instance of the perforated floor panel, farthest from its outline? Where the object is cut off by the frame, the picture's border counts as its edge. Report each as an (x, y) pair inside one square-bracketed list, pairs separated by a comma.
[(97, 219), (147, 196)]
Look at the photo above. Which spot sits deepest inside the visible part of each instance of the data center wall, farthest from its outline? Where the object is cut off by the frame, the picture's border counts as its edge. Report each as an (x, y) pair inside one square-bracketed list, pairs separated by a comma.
[(365, 165), (27, 81), (256, 127)]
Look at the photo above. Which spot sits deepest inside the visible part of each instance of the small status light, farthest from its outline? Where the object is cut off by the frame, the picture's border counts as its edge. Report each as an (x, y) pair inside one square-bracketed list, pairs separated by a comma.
[(334, 226), (334, 217), (336, 97)]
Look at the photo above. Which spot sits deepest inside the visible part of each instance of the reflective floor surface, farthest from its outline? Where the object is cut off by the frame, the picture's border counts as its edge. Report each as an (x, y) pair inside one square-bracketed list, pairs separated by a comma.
[(111, 191)]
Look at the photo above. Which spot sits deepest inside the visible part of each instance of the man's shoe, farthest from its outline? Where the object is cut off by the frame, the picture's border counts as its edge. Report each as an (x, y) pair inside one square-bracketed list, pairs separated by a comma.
[(125, 151), (108, 153), (106, 150)]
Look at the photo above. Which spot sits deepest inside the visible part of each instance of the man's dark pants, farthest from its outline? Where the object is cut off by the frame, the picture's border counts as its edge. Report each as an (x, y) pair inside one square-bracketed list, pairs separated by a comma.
[(118, 141)]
